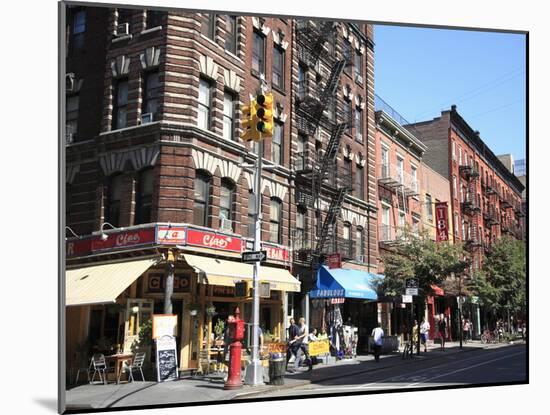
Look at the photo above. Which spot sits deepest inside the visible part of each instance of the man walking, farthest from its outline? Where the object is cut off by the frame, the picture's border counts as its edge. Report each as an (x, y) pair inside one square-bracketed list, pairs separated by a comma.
[(442, 331), (292, 334), (424, 333), (377, 334), (302, 341)]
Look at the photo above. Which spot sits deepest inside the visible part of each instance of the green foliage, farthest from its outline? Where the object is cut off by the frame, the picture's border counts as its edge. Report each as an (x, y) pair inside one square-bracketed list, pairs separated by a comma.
[(146, 333), (501, 284), (418, 256), (219, 327)]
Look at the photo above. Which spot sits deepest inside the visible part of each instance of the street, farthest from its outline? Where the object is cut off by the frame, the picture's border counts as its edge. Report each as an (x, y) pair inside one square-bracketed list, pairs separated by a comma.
[(474, 364), (483, 366)]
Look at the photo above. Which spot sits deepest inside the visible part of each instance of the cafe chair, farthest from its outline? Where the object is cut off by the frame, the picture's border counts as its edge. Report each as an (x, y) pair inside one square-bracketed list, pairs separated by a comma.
[(137, 364), (82, 367), (99, 366)]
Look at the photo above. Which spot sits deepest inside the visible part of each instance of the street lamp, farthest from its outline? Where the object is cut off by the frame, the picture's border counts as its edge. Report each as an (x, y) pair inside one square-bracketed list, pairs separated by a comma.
[(104, 236)]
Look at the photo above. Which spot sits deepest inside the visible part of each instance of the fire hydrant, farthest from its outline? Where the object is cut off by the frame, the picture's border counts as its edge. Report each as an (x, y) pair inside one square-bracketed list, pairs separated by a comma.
[(236, 334)]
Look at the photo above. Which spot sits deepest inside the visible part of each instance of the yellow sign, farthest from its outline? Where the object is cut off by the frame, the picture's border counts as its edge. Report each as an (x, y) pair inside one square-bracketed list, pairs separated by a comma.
[(276, 347), (319, 347)]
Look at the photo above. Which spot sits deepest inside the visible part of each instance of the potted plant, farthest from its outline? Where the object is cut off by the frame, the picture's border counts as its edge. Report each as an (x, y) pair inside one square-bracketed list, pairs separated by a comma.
[(210, 310)]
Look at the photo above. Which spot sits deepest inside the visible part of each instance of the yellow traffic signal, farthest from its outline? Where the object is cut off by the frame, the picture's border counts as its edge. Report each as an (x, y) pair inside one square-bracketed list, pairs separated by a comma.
[(264, 114), (249, 121)]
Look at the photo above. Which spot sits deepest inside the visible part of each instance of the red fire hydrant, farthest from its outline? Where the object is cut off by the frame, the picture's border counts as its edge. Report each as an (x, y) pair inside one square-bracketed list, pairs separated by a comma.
[(236, 334)]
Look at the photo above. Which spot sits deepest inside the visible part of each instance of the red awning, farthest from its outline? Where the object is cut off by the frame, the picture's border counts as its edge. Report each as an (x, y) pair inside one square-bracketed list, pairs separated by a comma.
[(437, 291)]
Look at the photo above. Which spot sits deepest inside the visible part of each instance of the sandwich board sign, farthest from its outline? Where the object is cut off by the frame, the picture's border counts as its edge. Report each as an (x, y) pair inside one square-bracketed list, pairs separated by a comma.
[(167, 359)]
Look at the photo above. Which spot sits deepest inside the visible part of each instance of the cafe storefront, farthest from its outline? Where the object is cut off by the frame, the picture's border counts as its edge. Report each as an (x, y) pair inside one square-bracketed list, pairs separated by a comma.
[(116, 281)]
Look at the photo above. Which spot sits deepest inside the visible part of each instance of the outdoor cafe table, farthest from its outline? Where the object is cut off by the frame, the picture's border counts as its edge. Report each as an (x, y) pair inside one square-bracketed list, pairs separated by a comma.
[(118, 360)]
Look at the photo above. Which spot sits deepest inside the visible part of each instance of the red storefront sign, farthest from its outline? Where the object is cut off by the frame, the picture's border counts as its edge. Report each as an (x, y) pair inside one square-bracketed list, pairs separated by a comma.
[(214, 240), (276, 253), (125, 239), (170, 235), (442, 222), (334, 261)]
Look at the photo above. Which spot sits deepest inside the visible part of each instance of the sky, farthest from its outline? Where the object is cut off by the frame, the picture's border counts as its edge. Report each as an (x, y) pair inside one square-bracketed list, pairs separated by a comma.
[(420, 71)]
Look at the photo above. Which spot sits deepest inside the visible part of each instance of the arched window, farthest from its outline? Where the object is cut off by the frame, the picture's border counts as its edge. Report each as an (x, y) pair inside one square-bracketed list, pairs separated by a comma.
[(275, 219), (114, 195), (201, 198), (227, 199), (144, 196)]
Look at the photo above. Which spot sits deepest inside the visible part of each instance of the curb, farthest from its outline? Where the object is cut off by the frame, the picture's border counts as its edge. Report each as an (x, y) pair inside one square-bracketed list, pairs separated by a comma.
[(370, 370)]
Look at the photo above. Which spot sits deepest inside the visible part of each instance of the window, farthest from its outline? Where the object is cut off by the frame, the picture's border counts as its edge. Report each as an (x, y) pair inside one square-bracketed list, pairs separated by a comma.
[(203, 119), (227, 198), (79, 28), (453, 150), (346, 246), (208, 25), (360, 182), (464, 229), (278, 76), (277, 144), (331, 110), (462, 194), (302, 82), (415, 226), (400, 169), (124, 16), (414, 184), (251, 213), (301, 228), (358, 65), (201, 196), (347, 115), (258, 53), (151, 95), (401, 224), (455, 191), (231, 34), (120, 104), (456, 224), (144, 196), (154, 18), (360, 240), (385, 230), (275, 234), (385, 158), (114, 195), (228, 116), (301, 152), (429, 208), (72, 116), (459, 156), (346, 52), (358, 124), (347, 174)]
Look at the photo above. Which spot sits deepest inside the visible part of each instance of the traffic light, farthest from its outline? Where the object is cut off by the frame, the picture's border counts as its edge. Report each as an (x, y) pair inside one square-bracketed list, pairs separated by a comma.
[(264, 114), (249, 121)]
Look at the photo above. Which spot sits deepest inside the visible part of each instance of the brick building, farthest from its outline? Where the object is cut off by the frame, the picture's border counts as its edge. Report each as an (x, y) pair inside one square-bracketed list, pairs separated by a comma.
[(486, 196), (156, 157)]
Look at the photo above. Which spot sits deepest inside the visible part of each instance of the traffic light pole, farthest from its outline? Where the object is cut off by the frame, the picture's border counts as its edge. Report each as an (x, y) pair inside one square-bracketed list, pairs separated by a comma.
[(254, 371)]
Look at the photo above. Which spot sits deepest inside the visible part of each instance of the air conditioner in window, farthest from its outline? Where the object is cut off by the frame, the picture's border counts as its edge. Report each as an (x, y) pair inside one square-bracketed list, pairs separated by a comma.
[(123, 29), (69, 83), (359, 78), (226, 225), (147, 118), (360, 258)]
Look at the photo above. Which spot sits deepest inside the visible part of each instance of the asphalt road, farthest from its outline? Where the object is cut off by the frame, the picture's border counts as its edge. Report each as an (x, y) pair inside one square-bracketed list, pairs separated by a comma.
[(484, 366)]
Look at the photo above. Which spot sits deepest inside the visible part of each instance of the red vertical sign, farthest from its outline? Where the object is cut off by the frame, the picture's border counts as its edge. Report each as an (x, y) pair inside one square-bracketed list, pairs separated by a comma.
[(442, 221)]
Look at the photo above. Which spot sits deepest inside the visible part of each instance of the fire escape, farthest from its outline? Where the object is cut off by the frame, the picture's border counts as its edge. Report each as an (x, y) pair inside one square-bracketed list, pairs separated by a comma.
[(317, 174), (471, 206)]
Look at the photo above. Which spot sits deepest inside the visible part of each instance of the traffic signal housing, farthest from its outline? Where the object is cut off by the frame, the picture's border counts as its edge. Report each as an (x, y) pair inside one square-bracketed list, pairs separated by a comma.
[(249, 121), (264, 114)]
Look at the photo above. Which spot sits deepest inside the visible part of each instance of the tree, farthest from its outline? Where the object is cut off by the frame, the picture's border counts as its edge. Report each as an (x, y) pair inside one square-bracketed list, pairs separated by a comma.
[(501, 283), (422, 258)]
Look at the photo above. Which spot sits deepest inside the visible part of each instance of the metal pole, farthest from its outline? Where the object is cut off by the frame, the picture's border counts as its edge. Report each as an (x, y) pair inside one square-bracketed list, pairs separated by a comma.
[(460, 310), (254, 374), (169, 288)]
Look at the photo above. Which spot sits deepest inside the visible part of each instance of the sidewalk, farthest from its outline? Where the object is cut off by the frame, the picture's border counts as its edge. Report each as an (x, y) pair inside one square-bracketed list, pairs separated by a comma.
[(210, 388)]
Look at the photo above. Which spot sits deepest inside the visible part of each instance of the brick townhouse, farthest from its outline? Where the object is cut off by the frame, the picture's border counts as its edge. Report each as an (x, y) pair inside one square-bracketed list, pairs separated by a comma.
[(158, 184)]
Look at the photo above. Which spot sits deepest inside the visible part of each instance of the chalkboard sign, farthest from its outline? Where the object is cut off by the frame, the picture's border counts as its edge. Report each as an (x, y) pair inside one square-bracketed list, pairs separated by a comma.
[(167, 361)]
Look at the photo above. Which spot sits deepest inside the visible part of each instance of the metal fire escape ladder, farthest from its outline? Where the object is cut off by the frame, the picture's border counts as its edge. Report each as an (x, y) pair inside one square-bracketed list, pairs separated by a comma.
[(330, 220), (312, 37)]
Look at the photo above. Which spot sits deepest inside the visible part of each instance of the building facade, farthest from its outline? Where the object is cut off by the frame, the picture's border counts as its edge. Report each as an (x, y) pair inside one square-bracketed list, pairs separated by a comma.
[(157, 173)]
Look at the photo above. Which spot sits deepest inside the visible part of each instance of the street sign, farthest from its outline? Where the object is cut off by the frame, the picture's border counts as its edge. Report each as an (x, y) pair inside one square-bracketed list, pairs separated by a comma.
[(407, 298), (337, 300), (411, 283), (254, 256), (411, 291)]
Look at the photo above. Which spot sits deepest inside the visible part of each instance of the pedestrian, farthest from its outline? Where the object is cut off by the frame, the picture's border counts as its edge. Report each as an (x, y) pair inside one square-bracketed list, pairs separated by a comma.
[(301, 341), (292, 347), (442, 327), (323, 335), (424, 333), (465, 328), (313, 336), (470, 330), (378, 335)]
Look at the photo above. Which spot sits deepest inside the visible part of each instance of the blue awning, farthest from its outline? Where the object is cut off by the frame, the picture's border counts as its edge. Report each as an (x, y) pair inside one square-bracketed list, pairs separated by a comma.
[(345, 283)]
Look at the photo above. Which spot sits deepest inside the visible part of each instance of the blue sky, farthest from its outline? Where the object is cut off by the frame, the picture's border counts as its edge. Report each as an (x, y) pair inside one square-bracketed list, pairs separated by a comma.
[(420, 72)]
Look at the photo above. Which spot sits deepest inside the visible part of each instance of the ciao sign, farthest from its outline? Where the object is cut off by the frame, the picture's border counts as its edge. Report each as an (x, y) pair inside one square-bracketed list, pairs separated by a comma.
[(157, 282), (214, 240)]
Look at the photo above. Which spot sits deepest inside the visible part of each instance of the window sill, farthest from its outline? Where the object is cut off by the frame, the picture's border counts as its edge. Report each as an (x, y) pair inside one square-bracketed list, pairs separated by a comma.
[(151, 30), (121, 38), (210, 40), (278, 89), (234, 56)]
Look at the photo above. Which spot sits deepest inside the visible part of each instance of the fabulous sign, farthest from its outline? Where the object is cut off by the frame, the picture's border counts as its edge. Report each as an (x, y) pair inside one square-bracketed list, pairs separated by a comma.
[(442, 222)]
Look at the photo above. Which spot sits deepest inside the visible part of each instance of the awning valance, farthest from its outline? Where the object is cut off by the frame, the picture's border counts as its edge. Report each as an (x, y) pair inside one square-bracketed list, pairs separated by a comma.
[(101, 284), (346, 283), (216, 271)]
